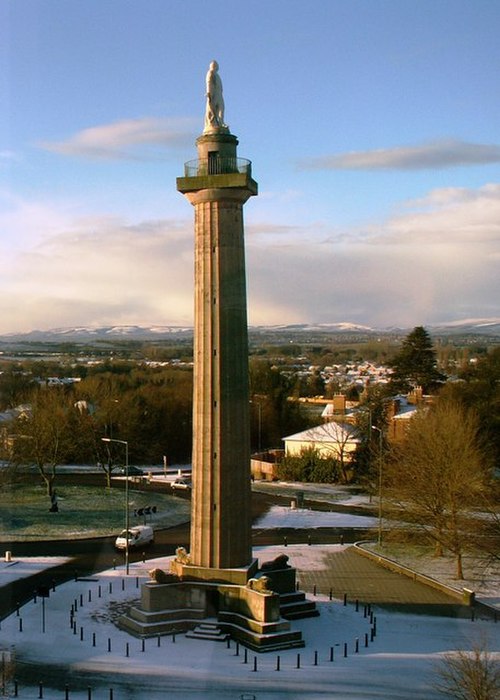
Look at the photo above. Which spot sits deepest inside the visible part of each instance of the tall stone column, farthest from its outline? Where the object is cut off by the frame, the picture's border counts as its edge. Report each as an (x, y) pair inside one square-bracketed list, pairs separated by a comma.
[(217, 184)]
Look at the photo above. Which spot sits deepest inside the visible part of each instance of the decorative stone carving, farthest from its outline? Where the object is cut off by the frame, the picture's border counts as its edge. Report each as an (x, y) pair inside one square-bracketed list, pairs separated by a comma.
[(182, 556), (160, 576), (280, 562), (261, 585)]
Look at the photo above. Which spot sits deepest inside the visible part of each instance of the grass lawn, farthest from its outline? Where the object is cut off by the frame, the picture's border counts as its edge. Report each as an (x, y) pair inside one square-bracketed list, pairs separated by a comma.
[(84, 511)]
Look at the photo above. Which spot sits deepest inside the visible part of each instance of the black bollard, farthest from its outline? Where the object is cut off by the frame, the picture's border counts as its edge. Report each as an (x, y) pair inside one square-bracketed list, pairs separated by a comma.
[(245, 656), (357, 605), (137, 582), (285, 541), (99, 591), (123, 584), (314, 589), (173, 637), (372, 634), (159, 640), (66, 692), (143, 645), (332, 653), (89, 693), (90, 596), (315, 658), (40, 690), (345, 598), (298, 660), (366, 639), (111, 694), (356, 647), (277, 663), (144, 557), (309, 540), (111, 587), (16, 688), (345, 650), (254, 663), (93, 639), (114, 564), (81, 599), (20, 624), (127, 650), (109, 644), (237, 653), (330, 594), (81, 634), (228, 643)]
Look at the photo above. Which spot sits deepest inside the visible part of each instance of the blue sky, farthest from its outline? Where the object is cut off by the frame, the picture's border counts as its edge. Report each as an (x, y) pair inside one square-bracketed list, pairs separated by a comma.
[(372, 125)]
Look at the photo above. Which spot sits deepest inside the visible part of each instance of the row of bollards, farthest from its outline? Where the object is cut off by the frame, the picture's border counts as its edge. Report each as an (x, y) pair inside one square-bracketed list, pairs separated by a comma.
[(40, 696)]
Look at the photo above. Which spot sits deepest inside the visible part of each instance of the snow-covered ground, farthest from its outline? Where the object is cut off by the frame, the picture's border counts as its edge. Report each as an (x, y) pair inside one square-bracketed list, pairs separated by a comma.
[(17, 568), (284, 516), (398, 663)]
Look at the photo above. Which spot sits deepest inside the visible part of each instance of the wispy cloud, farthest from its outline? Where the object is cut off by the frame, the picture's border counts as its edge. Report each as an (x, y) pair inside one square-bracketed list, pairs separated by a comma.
[(436, 259), (133, 139), (428, 156)]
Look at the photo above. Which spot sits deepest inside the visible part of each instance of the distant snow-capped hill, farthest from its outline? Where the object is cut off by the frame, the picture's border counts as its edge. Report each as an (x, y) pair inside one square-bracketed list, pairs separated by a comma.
[(480, 326), (82, 333)]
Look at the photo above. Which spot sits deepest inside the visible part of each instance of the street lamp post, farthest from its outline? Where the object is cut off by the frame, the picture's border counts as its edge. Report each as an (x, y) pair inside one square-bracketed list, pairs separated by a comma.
[(124, 442), (380, 436)]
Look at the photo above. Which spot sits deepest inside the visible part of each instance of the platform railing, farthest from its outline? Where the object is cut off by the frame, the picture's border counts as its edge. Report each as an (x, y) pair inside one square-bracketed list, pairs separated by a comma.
[(217, 165)]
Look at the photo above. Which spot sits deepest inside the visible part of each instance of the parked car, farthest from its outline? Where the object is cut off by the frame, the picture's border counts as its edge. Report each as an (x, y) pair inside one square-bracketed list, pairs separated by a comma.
[(138, 536), (182, 483), (132, 471)]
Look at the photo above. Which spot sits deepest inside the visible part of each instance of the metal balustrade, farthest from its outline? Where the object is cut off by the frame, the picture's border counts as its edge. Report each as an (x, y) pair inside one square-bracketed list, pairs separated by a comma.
[(217, 165)]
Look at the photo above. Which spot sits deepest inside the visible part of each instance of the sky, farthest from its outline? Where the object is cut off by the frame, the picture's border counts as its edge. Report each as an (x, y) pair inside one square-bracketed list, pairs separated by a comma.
[(373, 127)]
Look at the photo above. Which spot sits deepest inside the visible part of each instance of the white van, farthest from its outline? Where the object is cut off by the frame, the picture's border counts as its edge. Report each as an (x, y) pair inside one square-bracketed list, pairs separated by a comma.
[(138, 536)]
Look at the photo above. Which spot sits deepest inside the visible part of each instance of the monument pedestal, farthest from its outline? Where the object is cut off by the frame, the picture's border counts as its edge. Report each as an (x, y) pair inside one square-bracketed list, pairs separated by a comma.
[(238, 576), (253, 606)]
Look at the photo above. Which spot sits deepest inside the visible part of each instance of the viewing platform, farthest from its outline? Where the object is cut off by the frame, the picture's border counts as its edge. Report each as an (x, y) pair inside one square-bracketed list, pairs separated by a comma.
[(216, 172)]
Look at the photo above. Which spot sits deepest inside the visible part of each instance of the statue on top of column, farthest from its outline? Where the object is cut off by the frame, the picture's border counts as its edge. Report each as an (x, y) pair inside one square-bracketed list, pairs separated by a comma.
[(214, 113)]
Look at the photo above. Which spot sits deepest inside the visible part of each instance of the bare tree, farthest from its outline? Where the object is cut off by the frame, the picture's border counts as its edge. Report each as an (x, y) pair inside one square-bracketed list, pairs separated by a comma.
[(439, 476), (340, 441), (469, 675), (47, 435)]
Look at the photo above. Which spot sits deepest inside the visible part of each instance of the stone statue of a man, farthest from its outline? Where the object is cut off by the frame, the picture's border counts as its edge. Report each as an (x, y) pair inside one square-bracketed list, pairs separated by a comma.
[(214, 114)]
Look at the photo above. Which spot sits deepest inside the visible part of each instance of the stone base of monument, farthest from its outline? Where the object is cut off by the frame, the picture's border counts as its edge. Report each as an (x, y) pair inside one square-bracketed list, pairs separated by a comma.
[(255, 610)]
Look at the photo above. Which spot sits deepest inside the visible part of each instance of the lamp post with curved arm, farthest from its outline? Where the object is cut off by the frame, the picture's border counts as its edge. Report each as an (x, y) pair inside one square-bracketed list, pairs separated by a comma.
[(124, 442)]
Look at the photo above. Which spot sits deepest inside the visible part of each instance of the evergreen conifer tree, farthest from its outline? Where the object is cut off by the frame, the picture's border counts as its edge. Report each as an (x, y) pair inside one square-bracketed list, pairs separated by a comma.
[(415, 364)]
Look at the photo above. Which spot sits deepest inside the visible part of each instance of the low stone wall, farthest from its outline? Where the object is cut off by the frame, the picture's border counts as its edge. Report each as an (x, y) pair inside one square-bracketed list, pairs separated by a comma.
[(263, 471), (464, 596)]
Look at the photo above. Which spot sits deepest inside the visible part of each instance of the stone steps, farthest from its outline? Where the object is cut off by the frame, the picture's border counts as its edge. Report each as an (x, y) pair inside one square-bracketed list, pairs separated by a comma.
[(209, 631), (295, 606)]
